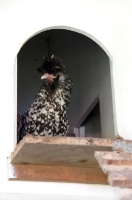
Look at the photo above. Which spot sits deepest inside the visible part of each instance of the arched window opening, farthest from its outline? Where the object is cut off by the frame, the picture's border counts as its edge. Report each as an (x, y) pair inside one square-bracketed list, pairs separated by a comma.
[(88, 66), (90, 109)]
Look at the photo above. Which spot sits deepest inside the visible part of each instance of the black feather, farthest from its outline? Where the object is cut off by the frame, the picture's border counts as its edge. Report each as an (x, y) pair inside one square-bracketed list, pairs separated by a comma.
[(46, 65)]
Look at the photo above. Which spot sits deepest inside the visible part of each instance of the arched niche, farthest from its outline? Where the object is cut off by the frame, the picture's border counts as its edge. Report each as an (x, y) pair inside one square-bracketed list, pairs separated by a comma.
[(87, 62)]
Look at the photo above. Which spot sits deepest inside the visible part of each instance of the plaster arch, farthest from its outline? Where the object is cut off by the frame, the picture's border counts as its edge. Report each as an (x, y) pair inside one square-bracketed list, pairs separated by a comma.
[(83, 32)]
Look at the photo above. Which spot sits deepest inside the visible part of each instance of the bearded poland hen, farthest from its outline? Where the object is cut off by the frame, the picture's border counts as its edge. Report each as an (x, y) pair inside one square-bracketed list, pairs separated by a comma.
[(47, 115)]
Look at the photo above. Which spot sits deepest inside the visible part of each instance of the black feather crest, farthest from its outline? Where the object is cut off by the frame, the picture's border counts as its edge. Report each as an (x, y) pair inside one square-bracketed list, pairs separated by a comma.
[(47, 64)]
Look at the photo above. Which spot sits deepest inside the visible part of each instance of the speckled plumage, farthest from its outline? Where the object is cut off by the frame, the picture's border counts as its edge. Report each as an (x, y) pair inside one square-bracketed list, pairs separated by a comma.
[(47, 115)]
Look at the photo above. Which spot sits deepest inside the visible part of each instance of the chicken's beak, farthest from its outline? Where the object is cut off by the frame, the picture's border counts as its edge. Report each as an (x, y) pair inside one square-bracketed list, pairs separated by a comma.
[(44, 76), (49, 77)]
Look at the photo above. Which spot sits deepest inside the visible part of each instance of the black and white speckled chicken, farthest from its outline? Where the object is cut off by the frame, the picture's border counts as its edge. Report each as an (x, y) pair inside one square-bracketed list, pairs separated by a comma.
[(47, 115)]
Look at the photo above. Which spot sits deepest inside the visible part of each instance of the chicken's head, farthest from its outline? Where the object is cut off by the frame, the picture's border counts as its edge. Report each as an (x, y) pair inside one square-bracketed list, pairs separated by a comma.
[(52, 69)]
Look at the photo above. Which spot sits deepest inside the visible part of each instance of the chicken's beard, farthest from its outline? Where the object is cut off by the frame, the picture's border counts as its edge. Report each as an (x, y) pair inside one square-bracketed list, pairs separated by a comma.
[(51, 85)]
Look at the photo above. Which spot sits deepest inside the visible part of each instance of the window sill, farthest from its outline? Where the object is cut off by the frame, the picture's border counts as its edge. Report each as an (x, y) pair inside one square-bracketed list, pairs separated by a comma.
[(65, 159)]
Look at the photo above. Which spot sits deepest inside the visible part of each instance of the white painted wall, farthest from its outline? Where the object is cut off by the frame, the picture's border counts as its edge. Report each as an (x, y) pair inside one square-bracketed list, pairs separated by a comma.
[(106, 22)]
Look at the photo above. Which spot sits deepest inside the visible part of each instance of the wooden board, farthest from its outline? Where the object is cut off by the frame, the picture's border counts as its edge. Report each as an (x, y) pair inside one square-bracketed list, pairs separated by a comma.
[(118, 166), (59, 151), (120, 179), (56, 173), (66, 159), (114, 161)]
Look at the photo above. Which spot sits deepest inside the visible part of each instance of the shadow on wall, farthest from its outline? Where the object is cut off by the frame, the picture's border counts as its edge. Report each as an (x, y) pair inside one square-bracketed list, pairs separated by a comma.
[(88, 66), (92, 123)]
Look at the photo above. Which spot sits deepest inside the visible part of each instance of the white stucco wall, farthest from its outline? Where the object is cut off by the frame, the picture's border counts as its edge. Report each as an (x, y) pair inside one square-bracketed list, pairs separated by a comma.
[(108, 22)]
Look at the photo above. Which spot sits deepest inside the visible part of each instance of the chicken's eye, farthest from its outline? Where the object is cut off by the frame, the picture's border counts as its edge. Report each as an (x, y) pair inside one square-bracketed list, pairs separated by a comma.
[(55, 70)]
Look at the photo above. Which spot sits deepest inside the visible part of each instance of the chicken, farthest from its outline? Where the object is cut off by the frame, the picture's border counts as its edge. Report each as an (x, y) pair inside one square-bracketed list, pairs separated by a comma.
[(47, 115)]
